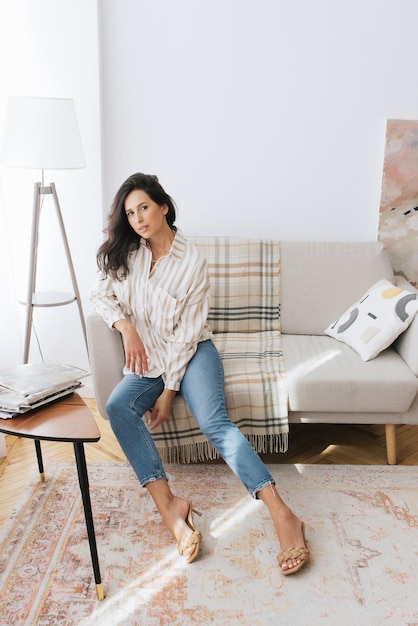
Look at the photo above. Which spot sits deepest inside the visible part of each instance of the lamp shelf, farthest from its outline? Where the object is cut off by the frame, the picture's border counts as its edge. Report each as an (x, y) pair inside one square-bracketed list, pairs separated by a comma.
[(50, 298)]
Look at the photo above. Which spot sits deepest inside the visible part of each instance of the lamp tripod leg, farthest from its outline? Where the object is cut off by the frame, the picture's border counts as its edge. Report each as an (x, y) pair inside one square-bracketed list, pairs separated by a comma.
[(40, 190), (32, 270), (70, 262)]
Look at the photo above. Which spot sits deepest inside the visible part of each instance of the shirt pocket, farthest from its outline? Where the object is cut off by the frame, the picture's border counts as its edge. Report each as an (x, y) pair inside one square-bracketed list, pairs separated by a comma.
[(163, 309)]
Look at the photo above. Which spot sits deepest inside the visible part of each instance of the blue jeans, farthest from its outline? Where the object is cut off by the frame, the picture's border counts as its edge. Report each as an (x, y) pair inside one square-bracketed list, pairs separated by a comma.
[(202, 388)]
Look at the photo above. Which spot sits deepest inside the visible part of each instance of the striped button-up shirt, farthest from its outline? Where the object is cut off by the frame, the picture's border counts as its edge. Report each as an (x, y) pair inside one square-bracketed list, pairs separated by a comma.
[(168, 306)]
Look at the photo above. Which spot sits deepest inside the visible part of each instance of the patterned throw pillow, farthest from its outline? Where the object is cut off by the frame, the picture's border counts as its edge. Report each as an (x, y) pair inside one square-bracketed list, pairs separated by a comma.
[(374, 322)]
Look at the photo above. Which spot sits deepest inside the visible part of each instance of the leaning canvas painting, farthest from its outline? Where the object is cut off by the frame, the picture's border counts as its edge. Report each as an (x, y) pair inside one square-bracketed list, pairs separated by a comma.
[(398, 223)]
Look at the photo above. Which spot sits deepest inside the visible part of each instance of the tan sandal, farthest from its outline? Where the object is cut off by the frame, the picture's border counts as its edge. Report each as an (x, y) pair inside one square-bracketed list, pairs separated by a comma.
[(193, 540), (300, 552)]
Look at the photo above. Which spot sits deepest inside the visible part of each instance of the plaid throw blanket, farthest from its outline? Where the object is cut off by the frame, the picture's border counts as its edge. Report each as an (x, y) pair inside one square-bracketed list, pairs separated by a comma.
[(245, 319)]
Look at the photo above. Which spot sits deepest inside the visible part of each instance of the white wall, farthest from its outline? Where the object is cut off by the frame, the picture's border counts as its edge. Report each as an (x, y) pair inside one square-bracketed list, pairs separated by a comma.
[(261, 118), (50, 48)]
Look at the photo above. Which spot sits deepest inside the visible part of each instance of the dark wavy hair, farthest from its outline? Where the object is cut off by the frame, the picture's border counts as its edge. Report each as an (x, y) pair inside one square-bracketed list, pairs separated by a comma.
[(122, 240)]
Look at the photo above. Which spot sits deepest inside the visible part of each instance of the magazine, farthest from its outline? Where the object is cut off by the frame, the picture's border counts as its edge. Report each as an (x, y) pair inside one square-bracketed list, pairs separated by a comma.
[(30, 386), (8, 411), (31, 379)]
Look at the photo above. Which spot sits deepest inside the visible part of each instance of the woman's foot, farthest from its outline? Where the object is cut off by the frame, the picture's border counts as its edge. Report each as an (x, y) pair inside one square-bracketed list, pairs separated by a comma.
[(177, 515), (189, 545), (294, 558), (290, 532)]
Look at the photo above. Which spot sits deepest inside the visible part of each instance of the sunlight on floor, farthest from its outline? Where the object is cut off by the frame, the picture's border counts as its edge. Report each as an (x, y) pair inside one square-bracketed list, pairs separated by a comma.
[(223, 525), (329, 449), (139, 591), (299, 467)]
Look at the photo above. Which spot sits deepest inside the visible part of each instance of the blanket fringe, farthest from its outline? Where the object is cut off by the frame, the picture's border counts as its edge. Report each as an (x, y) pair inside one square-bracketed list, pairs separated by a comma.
[(204, 451)]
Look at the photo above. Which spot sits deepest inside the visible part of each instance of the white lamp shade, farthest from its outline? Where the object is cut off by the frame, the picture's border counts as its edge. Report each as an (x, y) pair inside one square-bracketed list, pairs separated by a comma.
[(41, 133)]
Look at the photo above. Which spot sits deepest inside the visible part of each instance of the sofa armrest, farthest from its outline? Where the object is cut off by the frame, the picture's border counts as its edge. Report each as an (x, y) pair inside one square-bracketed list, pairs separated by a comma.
[(107, 359), (407, 344)]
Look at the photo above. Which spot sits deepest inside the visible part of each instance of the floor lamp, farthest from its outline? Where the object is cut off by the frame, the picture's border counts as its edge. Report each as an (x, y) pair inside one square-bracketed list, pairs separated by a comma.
[(42, 133)]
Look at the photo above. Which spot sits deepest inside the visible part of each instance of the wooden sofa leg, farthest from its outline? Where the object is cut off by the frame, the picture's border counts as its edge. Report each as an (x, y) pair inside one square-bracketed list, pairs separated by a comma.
[(390, 433)]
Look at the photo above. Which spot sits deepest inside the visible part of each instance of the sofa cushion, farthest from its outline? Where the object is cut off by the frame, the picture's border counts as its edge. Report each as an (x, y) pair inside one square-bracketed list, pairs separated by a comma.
[(326, 375), (374, 322), (245, 283), (321, 279)]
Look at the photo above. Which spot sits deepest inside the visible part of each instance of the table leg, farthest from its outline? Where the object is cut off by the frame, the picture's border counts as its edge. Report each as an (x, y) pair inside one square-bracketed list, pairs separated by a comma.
[(40, 460), (85, 493)]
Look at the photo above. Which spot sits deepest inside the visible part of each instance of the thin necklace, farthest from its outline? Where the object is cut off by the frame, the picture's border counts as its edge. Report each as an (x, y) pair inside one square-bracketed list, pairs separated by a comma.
[(154, 261)]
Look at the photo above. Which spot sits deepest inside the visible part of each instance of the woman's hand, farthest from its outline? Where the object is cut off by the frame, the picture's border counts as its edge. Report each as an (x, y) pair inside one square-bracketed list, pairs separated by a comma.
[(136, 357), (162, 409)]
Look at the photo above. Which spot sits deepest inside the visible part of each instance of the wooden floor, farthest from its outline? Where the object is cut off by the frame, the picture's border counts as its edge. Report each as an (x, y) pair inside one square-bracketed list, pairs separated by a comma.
[(331, 444)]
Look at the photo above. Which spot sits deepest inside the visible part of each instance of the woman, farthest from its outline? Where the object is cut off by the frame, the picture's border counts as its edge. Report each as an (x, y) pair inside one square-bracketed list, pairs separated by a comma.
[(154, 290)]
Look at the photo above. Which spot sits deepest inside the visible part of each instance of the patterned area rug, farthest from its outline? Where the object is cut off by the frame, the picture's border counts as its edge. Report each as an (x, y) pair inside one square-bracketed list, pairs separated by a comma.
[(361, 524)]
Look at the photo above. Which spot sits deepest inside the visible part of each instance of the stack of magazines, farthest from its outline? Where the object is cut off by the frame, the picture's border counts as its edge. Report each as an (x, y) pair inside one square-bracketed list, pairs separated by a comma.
[(29, 386)]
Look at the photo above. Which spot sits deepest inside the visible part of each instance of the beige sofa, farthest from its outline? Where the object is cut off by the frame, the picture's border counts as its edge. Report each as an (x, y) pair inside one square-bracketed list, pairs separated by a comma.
[(327, 381)]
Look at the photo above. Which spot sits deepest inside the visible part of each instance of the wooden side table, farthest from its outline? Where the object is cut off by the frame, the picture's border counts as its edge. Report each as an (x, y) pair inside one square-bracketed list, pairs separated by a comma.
[(67, 419)]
